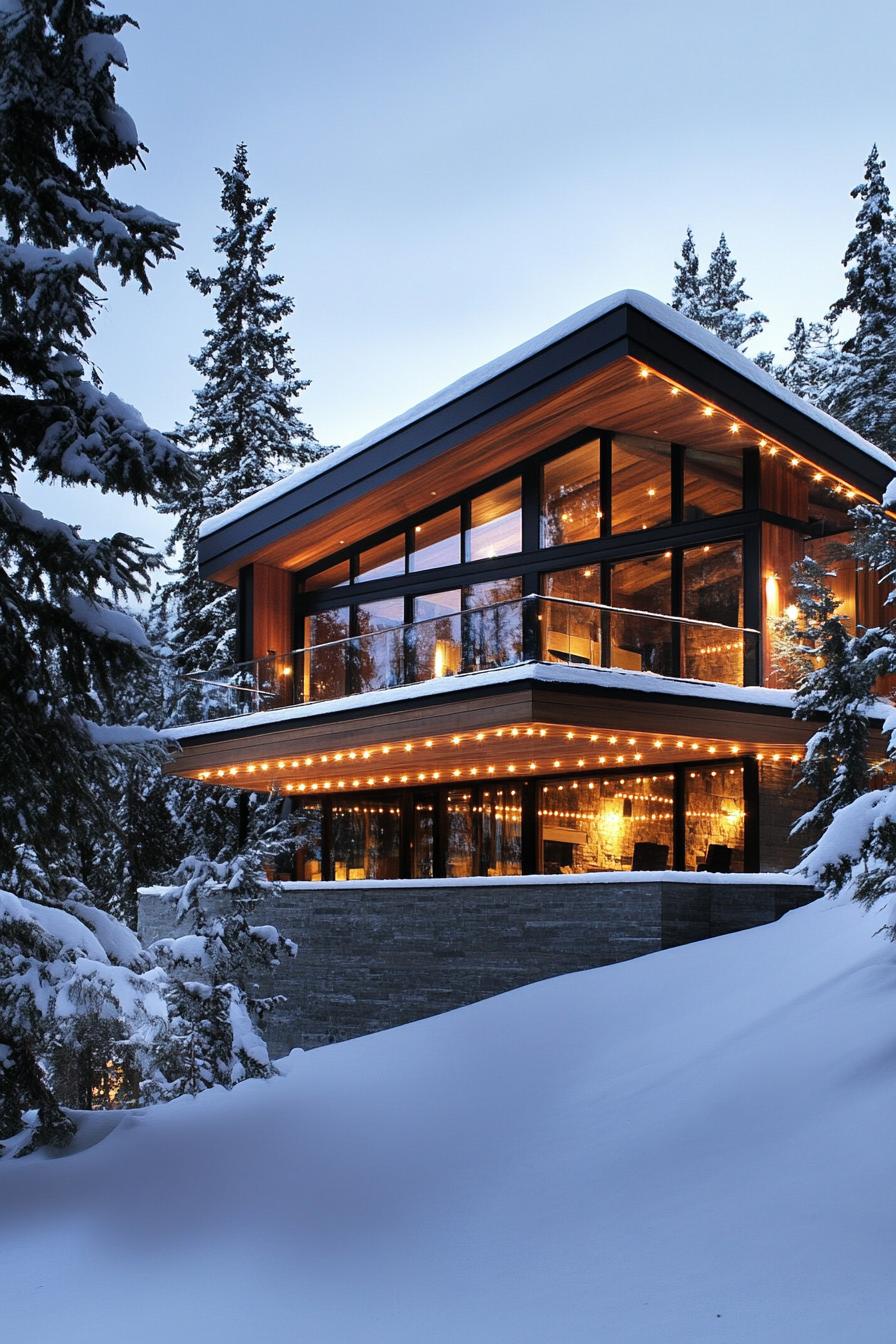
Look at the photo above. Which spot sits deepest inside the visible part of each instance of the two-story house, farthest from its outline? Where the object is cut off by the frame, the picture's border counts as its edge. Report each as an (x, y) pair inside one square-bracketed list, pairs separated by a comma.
[(528, 627)]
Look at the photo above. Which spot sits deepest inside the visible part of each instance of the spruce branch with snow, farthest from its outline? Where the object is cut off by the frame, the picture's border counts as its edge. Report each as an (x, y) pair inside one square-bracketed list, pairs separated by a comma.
[(213, 1005)]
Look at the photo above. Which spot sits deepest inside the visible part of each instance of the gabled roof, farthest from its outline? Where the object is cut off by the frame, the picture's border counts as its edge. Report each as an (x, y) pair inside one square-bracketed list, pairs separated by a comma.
[(628, 322)]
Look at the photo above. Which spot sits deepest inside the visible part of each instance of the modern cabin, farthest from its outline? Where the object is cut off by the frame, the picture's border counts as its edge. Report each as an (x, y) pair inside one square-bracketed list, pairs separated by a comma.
[(529, 626)]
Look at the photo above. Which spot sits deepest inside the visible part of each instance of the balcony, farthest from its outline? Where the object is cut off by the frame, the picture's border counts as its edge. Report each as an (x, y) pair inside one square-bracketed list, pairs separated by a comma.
[(531, 629)]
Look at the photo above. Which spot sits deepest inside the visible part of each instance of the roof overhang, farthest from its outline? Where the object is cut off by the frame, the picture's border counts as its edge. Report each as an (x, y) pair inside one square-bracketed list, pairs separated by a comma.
[(634, 328)]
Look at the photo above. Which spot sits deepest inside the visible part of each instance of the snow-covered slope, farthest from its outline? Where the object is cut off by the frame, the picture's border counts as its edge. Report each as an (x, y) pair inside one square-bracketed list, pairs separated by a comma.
[(693, 1146)]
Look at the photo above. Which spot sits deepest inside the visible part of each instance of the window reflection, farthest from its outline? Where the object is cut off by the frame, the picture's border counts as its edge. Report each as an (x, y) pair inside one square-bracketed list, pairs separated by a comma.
[(326, 662), (714, 819), (713, 483), (366, 838), (307, 820), (383, 561), (607, 823), (571, 497), (500, 819), (379, 656), (642, 642), (642, 483), (436, 542), (496, 523), (571, 634), (492, 628), (714, 591), (437, 641), (460, 847)]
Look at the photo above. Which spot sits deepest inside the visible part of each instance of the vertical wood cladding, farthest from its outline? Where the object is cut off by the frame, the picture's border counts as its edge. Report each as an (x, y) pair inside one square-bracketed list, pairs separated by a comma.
[(272, 611)]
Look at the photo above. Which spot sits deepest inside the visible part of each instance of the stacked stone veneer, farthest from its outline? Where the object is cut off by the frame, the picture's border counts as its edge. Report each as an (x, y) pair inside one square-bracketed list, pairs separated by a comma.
[(375, 955)]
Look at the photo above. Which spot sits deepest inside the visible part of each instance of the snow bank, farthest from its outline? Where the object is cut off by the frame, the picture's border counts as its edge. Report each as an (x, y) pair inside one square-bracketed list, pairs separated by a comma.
[(645, 303), (687, 1148)]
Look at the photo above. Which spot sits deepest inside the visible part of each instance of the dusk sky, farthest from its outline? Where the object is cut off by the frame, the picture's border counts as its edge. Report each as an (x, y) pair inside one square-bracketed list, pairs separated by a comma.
[(450, 180)]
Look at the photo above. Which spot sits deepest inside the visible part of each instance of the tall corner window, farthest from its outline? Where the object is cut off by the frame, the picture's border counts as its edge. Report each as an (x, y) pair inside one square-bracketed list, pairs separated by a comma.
[(713, 650), (570, 496), (642, 483), (496, 522)]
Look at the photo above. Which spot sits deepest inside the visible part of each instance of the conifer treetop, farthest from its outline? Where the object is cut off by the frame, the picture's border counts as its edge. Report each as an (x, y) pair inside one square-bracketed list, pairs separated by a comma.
[(870, 258)]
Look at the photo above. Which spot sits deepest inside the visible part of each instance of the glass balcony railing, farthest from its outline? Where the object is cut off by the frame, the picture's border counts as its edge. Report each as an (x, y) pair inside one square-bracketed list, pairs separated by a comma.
[(523, 630)]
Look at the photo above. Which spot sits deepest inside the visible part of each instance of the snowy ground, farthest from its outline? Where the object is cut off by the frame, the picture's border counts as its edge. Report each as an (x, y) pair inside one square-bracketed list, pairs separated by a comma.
[(694, 1146)]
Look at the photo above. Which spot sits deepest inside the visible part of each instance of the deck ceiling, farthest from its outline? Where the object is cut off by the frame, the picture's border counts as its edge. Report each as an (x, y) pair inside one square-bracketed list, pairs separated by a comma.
[(525, 732), (627, 395)]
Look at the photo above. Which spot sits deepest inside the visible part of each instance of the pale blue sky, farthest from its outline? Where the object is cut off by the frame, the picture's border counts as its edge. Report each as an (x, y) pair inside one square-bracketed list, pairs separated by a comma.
[(452, 179)]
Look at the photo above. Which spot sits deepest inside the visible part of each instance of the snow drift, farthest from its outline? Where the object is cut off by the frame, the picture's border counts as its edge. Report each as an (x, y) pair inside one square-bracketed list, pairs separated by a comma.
[(692, 1146)]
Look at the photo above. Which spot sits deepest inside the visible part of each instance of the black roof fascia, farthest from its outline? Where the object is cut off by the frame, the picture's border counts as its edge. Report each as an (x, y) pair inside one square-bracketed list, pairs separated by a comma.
[(623, 331)]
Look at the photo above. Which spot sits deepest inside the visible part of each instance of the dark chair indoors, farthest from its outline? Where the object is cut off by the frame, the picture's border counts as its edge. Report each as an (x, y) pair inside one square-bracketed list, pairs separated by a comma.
[(648, 857), (718, 859)]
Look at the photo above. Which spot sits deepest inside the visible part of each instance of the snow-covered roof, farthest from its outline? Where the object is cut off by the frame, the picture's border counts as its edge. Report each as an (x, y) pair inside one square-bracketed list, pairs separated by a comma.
[(653, 308), (610, 678)]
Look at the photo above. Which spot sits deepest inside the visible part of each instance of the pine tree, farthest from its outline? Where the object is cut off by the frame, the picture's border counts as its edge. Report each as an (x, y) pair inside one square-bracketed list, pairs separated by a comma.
[(716, 298), (64, 638), (815, 362), (212, 1038), (864, 394), (246, 429), (722, 296), (838, 673), (686, 288)]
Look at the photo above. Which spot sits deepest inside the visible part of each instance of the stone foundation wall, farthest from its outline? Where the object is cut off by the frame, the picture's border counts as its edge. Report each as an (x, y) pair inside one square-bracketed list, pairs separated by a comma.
[(376, 955)]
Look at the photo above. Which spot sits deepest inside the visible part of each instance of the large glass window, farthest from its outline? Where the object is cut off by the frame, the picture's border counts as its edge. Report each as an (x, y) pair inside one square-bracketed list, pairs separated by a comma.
[(500, 814), (337, 576), (493, 624), (642, 483), (436, 637), (379, 650), (570, 633), (642, 642), (460, 840), (570, 509), (607, 823), (496, 523), (436, 542), (366, 838), (713, 483), (382, 561), (714, 591), (326, 661), (424, 856), (307, 820), (714, 818)]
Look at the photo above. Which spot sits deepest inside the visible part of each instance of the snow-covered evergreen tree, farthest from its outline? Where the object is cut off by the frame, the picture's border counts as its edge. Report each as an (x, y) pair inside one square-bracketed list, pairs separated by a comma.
[(246, 428), (64, 637), (864, 393), (716, 298), (837, 677), (686, 287), (815, 362), (722, 298), (212, 1004)]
